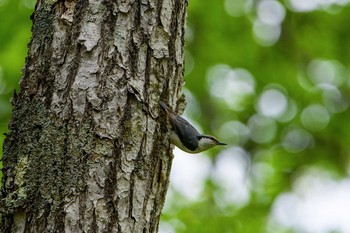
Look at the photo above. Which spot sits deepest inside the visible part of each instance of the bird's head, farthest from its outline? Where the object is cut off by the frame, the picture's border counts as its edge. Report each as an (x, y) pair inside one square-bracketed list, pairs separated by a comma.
[(206, 142)]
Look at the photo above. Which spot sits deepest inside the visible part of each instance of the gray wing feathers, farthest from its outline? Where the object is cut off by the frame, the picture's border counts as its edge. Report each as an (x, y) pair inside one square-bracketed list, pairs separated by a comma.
[(187, 133)]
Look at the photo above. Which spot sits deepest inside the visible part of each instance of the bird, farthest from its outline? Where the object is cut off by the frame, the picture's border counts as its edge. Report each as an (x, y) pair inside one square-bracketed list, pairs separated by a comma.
[(185, 136)]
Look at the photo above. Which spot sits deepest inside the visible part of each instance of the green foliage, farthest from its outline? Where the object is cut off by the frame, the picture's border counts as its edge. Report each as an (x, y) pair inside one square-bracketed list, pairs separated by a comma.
[(14, 37), (230, 70)]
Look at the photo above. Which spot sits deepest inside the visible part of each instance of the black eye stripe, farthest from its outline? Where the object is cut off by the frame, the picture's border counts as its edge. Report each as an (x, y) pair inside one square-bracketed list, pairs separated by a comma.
[(210, 137)]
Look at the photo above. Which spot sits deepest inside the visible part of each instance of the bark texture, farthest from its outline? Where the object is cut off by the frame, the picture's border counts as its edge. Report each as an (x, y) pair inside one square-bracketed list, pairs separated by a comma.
[(87, 149)]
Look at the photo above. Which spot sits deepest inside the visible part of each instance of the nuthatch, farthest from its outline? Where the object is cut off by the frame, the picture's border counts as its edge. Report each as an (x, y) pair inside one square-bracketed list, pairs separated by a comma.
[(185, 136)]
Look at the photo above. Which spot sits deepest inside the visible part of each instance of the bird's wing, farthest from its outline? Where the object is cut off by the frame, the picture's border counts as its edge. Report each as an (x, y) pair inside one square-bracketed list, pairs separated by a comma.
[(187, 133)]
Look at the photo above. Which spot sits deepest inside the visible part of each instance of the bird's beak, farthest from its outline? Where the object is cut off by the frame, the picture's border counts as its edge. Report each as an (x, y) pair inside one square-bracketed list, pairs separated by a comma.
[(221, 143)]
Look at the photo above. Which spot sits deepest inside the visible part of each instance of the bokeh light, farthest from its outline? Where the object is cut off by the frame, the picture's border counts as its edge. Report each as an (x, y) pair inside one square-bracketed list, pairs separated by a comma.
[(237, 8), (263, 129), (189, 62), (234, 86), (271, 12), (325, 72), (230, 172), (297, 140), (272, 103), (316, 204), (189, 173), (311, 5), (267, 25), (266, 34), (315, 117), (334, 100), (234, 132)]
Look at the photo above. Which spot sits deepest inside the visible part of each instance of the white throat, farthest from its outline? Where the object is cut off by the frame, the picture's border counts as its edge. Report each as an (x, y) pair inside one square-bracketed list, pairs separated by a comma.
[(204, 144)]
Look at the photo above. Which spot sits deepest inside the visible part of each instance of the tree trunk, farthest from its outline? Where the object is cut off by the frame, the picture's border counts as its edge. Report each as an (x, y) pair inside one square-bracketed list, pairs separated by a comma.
[(87, 149)]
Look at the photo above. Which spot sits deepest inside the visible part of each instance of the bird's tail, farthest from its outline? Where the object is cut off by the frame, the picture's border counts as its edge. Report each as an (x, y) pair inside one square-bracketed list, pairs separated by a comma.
[(166, 107)]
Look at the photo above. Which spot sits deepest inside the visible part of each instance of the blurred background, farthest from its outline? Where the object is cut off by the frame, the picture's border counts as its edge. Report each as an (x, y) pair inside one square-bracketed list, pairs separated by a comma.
[(271, 79)]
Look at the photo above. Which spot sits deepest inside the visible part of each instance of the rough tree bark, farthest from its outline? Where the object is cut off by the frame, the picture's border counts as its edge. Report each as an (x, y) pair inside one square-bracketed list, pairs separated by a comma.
[(87, 149)]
